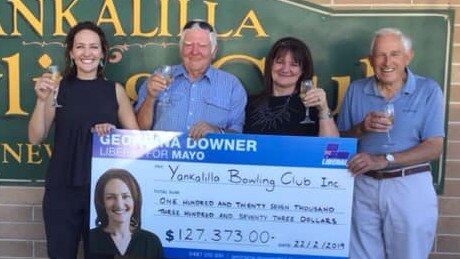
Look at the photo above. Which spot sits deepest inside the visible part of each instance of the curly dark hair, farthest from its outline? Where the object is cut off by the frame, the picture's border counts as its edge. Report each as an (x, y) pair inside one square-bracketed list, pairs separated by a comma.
[(71, 70)]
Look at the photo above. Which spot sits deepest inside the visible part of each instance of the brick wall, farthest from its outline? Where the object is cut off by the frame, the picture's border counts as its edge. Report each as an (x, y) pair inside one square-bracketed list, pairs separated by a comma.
[(21, 229), (21, 226)]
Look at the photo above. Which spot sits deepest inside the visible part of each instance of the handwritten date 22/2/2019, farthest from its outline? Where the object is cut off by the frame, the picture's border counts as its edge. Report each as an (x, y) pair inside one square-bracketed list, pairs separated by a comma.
[(322, 245)]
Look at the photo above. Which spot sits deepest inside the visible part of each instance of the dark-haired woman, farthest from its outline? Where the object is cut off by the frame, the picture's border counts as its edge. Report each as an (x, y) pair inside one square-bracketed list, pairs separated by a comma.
[(279, 109), (89, 103), (118, 202)]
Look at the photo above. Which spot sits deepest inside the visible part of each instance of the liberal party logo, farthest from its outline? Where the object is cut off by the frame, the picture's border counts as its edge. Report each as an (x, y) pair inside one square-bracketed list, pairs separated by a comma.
[(334, 156)]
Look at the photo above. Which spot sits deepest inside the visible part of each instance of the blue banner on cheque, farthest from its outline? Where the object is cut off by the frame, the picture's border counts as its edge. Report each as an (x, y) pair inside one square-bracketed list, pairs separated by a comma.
[(237, 195)]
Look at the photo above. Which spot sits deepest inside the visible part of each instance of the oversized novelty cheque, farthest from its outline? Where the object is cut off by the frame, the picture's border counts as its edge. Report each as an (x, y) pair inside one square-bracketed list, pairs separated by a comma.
[(237, 195)]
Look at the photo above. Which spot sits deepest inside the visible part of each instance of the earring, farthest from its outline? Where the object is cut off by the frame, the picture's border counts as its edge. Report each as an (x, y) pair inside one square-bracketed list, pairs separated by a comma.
[(71, 62), (101, 62), (134, 223)]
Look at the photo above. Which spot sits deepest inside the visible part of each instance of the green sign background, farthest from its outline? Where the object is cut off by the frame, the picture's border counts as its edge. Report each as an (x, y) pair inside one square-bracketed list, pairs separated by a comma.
[(32, 32)]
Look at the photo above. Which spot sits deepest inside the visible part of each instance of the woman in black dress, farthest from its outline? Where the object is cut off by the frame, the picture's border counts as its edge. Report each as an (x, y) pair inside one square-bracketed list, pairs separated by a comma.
[(89, 103), (279, 109)]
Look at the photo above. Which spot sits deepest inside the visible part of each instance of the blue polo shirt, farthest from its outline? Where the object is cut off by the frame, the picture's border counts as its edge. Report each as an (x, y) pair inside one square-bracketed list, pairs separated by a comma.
[(419, 113), (217, 98)]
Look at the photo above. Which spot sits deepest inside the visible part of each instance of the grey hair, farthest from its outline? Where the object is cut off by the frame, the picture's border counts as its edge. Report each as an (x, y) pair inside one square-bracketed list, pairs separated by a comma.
[(405, 40), (212, 36)]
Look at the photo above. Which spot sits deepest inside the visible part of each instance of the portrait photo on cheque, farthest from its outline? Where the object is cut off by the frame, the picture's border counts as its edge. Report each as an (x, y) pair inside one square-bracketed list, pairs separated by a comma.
[(118, 232)]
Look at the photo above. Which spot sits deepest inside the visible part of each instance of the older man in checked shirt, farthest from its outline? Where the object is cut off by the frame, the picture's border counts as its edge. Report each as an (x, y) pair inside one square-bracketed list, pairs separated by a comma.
[(200, 99)]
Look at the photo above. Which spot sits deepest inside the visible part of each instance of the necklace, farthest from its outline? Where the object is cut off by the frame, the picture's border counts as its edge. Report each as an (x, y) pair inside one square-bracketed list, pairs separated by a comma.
[(271, 113)]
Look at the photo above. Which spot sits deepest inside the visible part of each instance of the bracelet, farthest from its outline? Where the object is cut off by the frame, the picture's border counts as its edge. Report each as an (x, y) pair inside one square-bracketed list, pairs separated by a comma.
[(325, 115)]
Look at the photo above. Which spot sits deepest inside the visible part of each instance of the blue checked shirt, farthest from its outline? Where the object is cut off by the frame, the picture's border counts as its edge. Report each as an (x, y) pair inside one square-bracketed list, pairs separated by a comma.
[(217, 98)]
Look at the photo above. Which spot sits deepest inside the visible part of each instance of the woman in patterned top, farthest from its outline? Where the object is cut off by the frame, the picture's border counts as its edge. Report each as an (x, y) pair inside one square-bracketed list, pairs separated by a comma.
[(279, 110)]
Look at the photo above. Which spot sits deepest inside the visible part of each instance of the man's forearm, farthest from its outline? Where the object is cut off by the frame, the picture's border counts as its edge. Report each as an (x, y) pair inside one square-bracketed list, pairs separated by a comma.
[(428, 150)]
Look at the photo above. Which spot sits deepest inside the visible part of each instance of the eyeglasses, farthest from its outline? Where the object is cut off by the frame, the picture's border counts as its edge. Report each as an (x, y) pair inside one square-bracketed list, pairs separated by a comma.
[(202, 24)]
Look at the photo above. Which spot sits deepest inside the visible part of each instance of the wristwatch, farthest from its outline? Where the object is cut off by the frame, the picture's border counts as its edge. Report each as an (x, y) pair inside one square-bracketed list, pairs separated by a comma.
[(390, 158), (326, 115)]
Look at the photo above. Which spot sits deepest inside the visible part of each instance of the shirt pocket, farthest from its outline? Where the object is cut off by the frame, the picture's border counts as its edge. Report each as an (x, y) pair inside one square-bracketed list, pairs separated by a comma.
[(217, 111)]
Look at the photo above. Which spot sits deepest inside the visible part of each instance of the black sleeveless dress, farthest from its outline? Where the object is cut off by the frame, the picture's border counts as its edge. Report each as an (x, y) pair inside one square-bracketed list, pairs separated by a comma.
[(85, 103)]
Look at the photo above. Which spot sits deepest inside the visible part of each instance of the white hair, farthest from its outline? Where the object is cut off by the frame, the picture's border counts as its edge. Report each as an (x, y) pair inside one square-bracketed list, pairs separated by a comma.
[(405, 40), (212, 36)]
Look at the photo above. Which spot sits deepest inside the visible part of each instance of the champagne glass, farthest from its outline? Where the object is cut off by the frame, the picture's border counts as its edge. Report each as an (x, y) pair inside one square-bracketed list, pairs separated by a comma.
[(55, 76), (166, 73), (306, 86), (389, 111)]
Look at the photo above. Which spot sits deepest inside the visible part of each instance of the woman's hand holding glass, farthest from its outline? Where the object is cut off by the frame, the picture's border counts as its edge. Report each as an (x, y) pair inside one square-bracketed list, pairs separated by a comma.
[(315, 97), (45, 86), (305, 87), (55, 76)]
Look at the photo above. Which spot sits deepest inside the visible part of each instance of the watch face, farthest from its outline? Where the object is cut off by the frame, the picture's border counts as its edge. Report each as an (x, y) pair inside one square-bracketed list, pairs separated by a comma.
[(389, 157)]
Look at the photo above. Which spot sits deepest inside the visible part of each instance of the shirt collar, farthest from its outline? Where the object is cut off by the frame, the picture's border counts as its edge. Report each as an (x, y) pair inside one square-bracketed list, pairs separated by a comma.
[(408, 88), (207, 74)]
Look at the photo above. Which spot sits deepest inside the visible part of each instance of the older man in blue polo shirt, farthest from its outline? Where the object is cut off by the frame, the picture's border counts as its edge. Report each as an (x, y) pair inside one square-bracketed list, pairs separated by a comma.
[(394, 205), (201, 99)]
